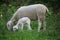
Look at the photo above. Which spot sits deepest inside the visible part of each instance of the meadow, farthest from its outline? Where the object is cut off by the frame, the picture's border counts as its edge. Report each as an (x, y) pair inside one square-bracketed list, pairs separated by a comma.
[(52, 30), (50, 34)]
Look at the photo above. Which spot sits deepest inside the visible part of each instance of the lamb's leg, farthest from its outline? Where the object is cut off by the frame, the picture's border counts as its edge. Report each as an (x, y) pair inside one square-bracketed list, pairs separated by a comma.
[(22, 27), (28, 26), (39, 24)]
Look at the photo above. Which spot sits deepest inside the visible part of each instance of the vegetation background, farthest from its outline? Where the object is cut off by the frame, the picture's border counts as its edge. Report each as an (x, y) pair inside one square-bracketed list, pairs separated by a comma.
[(8, 8)]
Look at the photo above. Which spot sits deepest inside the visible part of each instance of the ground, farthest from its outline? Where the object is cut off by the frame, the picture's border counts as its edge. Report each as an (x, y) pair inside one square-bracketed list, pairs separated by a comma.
[(49, 34)]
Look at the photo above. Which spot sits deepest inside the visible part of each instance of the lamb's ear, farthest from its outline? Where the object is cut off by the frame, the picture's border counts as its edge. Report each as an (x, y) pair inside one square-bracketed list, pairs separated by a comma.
[(7, 26)]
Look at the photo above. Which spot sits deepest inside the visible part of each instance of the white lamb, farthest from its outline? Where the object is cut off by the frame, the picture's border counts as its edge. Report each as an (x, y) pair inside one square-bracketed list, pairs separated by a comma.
[(21, 22)]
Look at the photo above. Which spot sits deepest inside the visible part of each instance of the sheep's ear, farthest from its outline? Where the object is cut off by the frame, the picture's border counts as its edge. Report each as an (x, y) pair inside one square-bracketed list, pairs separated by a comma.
[(7, 25)]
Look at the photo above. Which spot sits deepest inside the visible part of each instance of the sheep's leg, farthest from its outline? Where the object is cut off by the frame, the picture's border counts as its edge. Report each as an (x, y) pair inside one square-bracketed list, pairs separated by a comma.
[(28, 26), (39, 24), (22, 27), (44, 23)]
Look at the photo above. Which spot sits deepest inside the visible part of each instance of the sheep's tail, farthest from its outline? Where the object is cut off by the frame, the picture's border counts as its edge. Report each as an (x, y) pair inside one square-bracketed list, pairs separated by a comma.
[(47, 11)]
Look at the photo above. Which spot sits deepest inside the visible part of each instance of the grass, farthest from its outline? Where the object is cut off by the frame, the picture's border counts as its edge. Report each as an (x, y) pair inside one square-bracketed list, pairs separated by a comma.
[(30, 35), (49, 34)]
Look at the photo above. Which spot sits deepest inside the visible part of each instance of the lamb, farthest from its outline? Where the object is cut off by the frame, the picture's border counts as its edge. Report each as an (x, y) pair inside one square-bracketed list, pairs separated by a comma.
[(21, 22), (34, 12)]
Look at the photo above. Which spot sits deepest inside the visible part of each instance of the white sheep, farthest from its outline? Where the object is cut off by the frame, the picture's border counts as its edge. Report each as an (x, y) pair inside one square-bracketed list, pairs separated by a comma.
[(34, 12), (21, 22)]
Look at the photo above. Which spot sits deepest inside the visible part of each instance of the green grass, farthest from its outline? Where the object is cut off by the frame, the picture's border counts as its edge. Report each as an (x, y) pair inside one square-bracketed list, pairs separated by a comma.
[(50, 34), (29, 35)]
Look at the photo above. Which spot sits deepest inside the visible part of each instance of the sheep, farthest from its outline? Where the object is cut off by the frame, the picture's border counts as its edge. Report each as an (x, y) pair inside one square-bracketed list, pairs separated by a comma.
[(34, 12), (21, 22)]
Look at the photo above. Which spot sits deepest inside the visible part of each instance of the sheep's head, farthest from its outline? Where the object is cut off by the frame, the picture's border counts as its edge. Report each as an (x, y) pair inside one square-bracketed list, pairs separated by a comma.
[(9, 25), (15, 28)]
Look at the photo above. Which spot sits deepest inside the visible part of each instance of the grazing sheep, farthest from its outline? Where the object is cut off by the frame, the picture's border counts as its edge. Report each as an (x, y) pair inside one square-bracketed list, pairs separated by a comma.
[(34, 12), (21, 22)]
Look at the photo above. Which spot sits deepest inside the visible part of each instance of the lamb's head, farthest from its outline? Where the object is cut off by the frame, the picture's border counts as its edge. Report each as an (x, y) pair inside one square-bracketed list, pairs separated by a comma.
[(15, 28), (9, 25)]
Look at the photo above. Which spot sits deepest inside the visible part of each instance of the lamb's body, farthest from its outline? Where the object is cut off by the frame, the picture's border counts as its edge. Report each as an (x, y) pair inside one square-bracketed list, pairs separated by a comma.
[(21, 22), (33, 12)]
